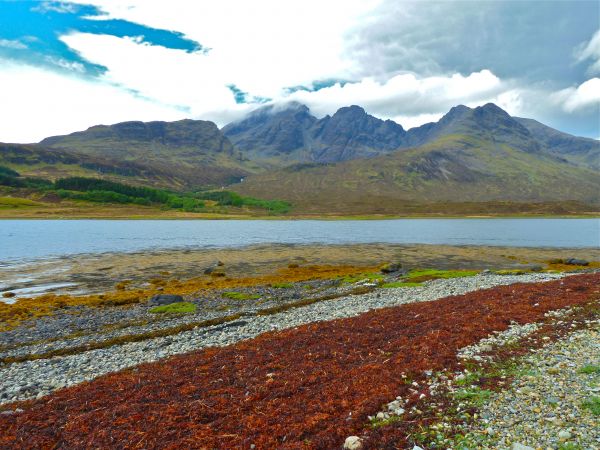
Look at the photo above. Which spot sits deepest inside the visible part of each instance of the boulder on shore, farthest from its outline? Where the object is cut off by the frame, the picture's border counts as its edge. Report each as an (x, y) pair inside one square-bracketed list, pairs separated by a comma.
[(165, 299), (576, 262), (353, 443)]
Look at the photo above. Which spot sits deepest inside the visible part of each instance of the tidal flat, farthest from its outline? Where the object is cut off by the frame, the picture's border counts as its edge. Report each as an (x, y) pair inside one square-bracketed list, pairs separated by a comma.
[(97, 273)]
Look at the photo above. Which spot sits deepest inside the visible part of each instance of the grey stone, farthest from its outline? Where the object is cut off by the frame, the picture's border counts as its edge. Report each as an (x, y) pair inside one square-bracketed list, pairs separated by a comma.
[(353, 443), (519, 446), (165, 299), (564, 434), (577, 262)]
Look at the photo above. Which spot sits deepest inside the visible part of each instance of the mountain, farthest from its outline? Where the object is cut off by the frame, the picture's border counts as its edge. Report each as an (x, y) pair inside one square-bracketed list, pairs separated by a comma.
[(292, 134), (351, 133), (578, 150), (488, 122), (289, 133), (479, 158), (273, 132), (472, 155), (188, 153)]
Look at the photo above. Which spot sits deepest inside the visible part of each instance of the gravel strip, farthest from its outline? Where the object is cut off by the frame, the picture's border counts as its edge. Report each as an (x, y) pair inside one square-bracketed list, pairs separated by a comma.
[(89, 324), (81, 326), (34, 379), (546, 409)]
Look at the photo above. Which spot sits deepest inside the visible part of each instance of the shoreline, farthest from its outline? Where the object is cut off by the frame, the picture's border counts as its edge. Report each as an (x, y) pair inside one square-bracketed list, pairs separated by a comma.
[(138, 337), (372, 337), (98, 272), (320, 217)]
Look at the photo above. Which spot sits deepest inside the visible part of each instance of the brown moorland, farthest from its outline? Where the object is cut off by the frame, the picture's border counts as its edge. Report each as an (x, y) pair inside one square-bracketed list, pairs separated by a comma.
[(307, 387)]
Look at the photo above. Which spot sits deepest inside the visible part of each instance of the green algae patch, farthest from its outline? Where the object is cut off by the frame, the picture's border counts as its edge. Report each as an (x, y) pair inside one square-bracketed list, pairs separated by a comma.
[(370, 276), (282, 285), (239, 296), (175, 308), (420, 275), (401, 284), (442, 273)]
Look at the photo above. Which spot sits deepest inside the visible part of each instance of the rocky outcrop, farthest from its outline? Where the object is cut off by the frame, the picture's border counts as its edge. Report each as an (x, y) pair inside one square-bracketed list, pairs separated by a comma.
[(292, 132)]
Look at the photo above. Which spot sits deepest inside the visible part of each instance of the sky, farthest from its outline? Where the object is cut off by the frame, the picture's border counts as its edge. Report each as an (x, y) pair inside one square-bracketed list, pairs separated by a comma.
[(66, 66)]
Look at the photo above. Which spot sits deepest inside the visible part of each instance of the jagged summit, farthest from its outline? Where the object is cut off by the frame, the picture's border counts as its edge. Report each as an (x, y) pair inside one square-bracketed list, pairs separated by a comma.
[(289, 130), (195, 152)]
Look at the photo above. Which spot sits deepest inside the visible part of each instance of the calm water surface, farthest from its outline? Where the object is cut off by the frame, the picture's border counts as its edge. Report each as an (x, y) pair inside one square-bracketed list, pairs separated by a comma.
[(34, 239)]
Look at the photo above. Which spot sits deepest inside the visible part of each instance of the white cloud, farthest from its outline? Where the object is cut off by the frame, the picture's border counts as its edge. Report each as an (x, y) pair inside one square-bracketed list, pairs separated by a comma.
[(408, 99), (583, 97), (590, 51), (263, 45), (60, 7), (165, 75), (37, 103), (14, 44)]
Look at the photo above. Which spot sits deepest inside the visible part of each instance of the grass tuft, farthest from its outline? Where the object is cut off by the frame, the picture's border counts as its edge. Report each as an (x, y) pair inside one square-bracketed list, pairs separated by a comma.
[(239, 296), (589, 369), (377, 423), (474, 396), (593, 404), (282, 285)]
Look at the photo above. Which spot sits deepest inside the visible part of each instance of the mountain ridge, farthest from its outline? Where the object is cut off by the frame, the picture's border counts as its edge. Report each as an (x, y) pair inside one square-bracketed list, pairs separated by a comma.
[(479, 154), (180, 154), (352, 133)]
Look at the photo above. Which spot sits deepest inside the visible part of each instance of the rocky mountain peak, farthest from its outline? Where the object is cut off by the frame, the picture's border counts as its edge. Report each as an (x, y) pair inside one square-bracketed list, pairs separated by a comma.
[(350, 112)]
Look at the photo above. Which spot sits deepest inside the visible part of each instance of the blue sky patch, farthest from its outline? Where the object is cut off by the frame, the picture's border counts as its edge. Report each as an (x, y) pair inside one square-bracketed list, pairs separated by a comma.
[(30, 32), (242, 97), (317, 85)]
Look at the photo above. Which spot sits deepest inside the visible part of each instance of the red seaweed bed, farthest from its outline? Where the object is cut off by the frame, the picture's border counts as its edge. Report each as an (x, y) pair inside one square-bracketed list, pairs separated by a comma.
[(308, 387)]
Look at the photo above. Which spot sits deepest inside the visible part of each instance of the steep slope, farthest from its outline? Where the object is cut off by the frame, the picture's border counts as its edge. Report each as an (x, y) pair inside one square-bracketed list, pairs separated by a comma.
[(351, 133), (488, 122), (192, 152), (455, 168), (578, 150), (35, 161), (273, 132), (291, 134)]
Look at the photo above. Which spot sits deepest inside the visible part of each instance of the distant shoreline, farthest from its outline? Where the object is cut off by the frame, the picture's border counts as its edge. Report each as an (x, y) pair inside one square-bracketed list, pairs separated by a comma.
[(200, 216), (98, 272)]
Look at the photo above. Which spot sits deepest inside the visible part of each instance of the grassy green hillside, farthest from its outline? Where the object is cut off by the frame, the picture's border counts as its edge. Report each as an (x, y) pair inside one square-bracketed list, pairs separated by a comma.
[(455, 169), (52, 164), (185, 154), (22, 194)]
